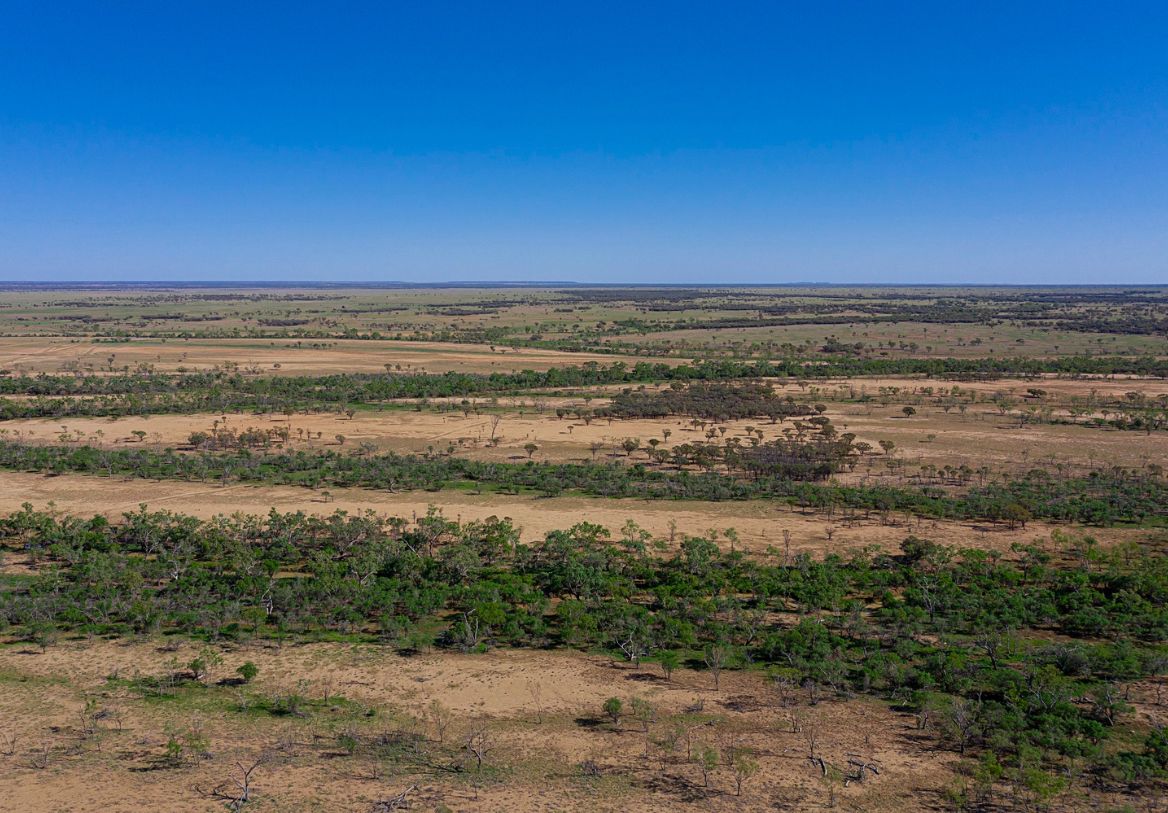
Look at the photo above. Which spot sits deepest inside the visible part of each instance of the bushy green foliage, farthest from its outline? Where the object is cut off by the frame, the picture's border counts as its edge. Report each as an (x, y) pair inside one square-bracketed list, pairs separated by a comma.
[(779, 470), (145, 393), (951, 633)]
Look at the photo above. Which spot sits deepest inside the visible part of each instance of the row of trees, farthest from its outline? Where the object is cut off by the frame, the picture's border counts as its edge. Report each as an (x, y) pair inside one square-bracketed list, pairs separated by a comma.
[(150, 392), (780, 470)]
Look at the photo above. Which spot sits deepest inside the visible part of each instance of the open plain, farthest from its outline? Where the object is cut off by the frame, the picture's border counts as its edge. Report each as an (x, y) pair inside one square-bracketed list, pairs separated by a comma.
[(583, 549)]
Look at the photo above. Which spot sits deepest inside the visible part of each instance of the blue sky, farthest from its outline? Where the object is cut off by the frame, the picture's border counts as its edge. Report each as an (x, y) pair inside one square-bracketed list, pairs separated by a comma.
[(723, 142)]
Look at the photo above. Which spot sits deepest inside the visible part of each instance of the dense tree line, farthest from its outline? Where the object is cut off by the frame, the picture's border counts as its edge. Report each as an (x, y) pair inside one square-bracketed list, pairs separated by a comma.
[(151, 392), (1023, 660), (1103, 497), (720, 401)]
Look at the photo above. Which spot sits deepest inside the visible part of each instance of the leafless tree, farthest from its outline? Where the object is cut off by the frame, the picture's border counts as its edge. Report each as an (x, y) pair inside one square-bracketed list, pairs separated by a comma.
[(39, 758), (786, 688), (440, 718), (810, 731), (715, 660), (396, 802), (536, 691), (478, 743), (962, 720), (236, 791)]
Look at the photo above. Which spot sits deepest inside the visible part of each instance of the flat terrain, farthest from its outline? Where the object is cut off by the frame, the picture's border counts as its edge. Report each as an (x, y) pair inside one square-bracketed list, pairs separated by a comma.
[(978, 435), (794, 642), (272, 357), (539, 708), (759, 524)]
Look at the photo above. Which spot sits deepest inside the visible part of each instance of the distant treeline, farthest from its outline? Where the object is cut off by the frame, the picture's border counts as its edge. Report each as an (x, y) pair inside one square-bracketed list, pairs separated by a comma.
[(152, 392), (1104, 497)]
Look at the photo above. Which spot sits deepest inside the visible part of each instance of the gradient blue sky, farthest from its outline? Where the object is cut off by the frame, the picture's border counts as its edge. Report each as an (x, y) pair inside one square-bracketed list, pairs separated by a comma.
[(723, 142)]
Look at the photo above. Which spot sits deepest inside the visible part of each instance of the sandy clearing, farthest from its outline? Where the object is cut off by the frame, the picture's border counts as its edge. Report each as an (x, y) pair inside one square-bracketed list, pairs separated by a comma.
[(293, 357), (496, 687), (980, 436), (759, 524)]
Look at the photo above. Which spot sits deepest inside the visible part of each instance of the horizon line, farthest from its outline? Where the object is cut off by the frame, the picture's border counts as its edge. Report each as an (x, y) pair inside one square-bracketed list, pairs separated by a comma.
[(503, 283)]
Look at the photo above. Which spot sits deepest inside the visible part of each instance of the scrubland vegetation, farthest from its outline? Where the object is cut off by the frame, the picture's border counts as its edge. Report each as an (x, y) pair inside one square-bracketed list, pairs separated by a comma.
[(318, 658)]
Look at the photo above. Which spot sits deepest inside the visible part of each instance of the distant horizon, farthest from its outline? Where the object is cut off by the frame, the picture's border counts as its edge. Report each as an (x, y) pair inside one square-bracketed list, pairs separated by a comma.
[(502, 283)]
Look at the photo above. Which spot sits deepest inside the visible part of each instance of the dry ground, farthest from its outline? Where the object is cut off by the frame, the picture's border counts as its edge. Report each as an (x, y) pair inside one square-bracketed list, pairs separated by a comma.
[(541, 708), (293, 357), (979, 437), (541, 711), (932, 340), (759, 524)]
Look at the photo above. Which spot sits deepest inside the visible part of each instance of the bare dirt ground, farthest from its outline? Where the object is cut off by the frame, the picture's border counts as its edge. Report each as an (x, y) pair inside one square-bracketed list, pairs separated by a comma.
[(1109, 386), (759, 524), (281, 356), (542, 712), (979, 437)]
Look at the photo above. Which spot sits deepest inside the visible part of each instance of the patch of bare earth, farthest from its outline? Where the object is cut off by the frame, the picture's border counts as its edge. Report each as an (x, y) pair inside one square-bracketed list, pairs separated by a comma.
[(282, 356), (541, 712), (759, 524)]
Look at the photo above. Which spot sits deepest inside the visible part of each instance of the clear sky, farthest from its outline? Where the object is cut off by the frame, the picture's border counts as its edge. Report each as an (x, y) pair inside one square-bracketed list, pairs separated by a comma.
[(675, 142)]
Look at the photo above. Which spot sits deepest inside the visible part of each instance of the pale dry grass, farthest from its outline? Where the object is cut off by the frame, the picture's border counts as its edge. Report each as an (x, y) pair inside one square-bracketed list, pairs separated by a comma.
[(538, 742), (293, 357), (981, 436), (759, 524)]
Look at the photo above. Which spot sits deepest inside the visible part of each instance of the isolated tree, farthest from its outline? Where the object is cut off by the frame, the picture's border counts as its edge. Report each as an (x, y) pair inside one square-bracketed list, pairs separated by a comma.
[(236, 791), (715, 658), (614, 709), (643, 712), (744, 768), (668, 660), (440, 718), (478, 744), (248, 671), (707, 760), (206, 661)]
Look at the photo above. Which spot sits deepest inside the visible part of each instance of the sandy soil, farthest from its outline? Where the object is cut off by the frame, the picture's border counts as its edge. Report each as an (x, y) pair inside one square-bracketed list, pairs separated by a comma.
[(759, 524), (293, 357), (979, 437), (538, 741), (541, 712), (1110, 386)]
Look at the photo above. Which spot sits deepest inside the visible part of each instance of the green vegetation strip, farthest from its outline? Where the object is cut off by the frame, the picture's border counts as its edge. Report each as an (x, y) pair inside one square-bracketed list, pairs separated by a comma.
[(1104, 497), (1024, 661), (153, 393)]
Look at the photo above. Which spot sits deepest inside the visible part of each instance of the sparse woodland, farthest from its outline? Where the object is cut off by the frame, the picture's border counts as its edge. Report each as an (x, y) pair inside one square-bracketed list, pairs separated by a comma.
[(352, 652)]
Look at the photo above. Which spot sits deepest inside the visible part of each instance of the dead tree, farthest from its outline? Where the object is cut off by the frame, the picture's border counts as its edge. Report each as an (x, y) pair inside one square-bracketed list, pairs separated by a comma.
[(478, 744), (863, 767), (235, 798), (398, 802)]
